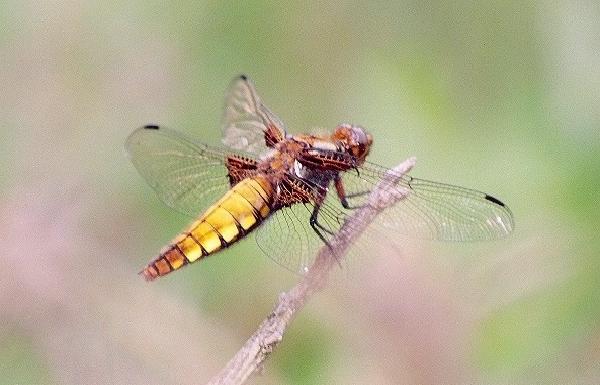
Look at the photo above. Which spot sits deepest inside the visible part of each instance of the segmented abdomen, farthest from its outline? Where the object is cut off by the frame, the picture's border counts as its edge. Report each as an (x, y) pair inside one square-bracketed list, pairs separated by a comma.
[(240, 210)]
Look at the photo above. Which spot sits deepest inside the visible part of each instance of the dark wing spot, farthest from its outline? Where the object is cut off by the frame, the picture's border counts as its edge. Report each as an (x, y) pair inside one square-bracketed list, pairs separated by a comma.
[(494, 200), (243, 77), (151, 127)]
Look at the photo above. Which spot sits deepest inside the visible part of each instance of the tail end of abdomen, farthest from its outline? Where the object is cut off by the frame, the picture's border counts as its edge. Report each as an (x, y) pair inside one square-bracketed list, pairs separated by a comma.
[(168, 261), (149, 273), (243, 208)]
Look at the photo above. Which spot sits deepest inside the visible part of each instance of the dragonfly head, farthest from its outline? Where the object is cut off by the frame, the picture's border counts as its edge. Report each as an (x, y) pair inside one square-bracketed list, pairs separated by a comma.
[(355, 140)]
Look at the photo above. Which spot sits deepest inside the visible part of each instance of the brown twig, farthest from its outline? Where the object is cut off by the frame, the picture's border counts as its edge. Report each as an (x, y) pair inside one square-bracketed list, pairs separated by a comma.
[(270, 332)]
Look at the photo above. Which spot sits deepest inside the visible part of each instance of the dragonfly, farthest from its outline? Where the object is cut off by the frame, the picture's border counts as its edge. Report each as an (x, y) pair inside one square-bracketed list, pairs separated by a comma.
[(296, 191)]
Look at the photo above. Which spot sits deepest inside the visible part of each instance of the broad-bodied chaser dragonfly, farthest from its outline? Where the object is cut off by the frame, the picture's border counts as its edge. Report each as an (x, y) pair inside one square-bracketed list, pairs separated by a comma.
[(279, 184)]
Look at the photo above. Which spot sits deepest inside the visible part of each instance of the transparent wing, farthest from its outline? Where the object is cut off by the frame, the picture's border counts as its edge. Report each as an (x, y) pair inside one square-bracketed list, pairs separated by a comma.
[(430, 210), (434, 210), (246, 119), (287, 237), (186, 175)]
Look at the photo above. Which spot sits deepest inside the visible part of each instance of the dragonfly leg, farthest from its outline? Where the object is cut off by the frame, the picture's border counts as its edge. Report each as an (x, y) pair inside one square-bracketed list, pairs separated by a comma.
[(343, 197), (317, 227)]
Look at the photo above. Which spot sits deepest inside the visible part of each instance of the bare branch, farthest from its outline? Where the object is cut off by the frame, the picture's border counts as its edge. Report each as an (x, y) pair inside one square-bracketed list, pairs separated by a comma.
[(260, 345)]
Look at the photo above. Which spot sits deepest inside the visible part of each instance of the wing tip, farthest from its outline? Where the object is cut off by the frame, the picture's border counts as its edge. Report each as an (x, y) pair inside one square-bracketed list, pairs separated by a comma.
[(509, 226), (494, 200), (133, 139)]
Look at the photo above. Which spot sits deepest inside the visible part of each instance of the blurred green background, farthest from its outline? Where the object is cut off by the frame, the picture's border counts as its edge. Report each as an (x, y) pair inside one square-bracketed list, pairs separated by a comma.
[(499, 96)]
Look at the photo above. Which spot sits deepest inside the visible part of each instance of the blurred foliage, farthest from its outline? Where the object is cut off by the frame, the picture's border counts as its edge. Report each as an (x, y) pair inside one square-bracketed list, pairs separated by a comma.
[(307, 356), (500, 96), (20, 363)]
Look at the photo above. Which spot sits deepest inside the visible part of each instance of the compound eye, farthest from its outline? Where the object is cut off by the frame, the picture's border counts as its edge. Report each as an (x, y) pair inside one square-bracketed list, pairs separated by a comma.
[(361, 148), (357, 151), (359, 136)]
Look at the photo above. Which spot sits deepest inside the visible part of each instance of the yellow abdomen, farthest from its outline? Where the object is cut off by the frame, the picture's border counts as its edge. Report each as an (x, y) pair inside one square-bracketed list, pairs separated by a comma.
[(240, 210)]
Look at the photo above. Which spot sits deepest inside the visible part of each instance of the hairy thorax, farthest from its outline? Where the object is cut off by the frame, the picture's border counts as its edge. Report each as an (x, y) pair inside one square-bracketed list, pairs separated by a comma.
[(282, 159)]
